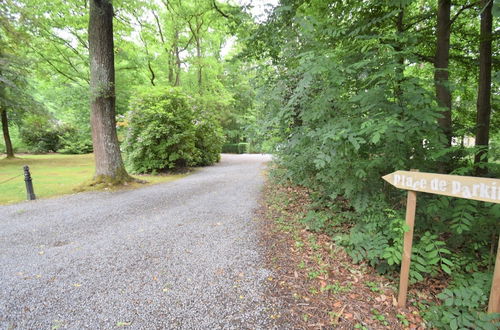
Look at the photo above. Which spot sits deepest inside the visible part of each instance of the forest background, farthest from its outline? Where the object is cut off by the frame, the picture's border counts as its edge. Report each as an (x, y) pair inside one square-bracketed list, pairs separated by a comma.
[(342, 92)]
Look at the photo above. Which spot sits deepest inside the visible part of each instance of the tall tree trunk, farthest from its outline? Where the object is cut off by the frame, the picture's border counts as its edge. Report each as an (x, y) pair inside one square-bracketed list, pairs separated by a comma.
[(177, 59), (109, 166), (171, 64), (6, 135), (400, 60), (441, 74), (198, 55), (484, 87)]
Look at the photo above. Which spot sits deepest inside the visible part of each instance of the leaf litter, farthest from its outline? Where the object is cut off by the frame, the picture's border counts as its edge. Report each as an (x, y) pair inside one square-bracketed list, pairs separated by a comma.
[(316, 280)]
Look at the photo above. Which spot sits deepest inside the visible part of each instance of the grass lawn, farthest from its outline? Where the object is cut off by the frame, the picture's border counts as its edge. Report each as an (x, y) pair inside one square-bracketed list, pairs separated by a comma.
[(54, 175)]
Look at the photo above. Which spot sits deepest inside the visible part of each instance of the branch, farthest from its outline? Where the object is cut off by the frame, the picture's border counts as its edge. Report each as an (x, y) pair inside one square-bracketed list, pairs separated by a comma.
[(152, 79), (425, 58), (159, 26), (68, 60), (55, 67), (461, 10), (218, 10), (422, 18)]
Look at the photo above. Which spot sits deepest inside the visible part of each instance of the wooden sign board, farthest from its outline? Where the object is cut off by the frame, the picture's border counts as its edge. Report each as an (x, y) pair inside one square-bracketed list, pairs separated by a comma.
[(468, 187)]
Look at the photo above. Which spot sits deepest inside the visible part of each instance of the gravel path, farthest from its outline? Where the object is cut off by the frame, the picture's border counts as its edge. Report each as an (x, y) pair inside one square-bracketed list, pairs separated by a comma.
[(180, 255)]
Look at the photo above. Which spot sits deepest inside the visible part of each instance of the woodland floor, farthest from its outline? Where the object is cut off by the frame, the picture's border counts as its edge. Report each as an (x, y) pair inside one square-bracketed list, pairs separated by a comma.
[(321, 287)]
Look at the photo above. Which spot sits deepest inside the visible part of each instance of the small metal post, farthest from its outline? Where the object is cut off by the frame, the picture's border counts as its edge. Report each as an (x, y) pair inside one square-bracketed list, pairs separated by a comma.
[(29, 183)]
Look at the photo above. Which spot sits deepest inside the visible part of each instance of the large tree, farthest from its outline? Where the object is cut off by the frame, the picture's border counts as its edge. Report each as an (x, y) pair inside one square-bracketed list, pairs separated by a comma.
[(9, 151), (484, 88), (108, 160), (441, 74)]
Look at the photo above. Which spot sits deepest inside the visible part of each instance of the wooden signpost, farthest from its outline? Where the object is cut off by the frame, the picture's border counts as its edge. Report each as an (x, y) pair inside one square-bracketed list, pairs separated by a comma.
[(481, 189)]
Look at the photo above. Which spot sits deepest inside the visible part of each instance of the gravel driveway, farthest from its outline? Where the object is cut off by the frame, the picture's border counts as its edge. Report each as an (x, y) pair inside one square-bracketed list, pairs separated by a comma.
[(180, 255)]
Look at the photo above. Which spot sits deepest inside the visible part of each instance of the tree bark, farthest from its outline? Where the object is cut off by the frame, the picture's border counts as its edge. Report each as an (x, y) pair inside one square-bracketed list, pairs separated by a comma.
[(484, 87), (109, 166), (198, 55), (177, 58), (400, 60), (6, 135), (441, 74)]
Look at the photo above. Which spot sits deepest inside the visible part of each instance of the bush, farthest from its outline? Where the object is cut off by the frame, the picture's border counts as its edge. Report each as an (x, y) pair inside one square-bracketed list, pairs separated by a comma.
[(73, 141), (209, 140), (236, 148), (166, 131), (463, 305), (230, 148), (243, 148), (39, 134), (161, 134)]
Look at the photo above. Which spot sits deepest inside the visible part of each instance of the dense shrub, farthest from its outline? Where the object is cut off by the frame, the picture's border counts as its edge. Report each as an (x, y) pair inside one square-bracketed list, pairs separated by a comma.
[(74, 141), (236, 148), (166, 131), (209, 140), (39, 134), (230, 148), (243, 148), (161, 134)]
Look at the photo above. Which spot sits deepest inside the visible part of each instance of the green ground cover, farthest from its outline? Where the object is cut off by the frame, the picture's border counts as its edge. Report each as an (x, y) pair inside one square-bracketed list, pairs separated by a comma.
[(54, 175)]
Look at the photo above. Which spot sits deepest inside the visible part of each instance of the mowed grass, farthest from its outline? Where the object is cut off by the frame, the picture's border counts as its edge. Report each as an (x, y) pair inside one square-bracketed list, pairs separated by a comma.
[(54, 175)]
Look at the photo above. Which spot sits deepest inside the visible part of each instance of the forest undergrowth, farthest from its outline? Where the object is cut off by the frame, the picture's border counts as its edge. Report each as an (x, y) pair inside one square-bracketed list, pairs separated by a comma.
[(319, 282), (322, 286)]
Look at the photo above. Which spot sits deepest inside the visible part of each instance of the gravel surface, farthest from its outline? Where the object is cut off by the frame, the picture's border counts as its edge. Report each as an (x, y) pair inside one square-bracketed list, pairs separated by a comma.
[(180, 255)]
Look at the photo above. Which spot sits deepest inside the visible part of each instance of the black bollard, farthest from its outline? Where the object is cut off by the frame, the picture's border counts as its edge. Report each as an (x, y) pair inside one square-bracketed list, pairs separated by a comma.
[(29, 183)]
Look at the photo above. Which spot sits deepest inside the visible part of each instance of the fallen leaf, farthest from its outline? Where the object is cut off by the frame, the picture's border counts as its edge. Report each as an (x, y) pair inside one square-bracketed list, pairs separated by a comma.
[(335, 320), (77, 285), (123, 324), (337, 304)]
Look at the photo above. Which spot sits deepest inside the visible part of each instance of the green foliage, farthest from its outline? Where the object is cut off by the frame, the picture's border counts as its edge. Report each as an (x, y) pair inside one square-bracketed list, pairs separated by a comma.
[(230, 148), (349, 97), (429, 255), (161, 134), (39, 134), (74, 141), (165, 132), (463, 304), (236, 148), (209, 139), (243, 148)]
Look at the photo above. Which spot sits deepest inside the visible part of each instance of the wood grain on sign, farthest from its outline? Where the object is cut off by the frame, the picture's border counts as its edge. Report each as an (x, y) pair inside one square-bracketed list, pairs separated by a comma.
[(468, 187)]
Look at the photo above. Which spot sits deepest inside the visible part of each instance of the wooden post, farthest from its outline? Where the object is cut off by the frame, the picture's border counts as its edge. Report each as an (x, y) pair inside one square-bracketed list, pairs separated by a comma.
[(411, 206), (447, 185), (494, 303)]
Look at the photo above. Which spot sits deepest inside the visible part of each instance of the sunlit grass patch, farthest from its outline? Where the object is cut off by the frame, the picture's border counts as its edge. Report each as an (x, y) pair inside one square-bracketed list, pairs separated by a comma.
[(55, 175)]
